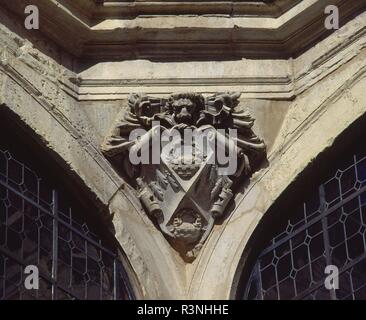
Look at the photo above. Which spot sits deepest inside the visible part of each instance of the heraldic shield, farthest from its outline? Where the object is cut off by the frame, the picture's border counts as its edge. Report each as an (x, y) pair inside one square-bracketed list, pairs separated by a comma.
[(185, 156)]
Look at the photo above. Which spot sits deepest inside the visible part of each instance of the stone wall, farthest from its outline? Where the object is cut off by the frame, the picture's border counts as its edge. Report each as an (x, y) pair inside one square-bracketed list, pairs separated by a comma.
[(300, 104)]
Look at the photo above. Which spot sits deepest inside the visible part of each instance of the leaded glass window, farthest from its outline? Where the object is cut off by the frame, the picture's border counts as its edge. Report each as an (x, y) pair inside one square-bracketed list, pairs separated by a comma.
[(38, 226), (329, 228)]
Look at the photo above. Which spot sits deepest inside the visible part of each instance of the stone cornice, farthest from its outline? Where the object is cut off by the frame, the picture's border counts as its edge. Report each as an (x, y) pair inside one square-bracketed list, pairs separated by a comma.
[(95, 10), (177, 37), (264, 79), (271, 8), (105, 89), (258, 79)]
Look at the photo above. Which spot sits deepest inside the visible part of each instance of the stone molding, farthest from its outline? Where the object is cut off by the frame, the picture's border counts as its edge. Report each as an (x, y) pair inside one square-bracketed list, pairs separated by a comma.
[(106, 9), (187, 36), (285, 80), (270, 79)]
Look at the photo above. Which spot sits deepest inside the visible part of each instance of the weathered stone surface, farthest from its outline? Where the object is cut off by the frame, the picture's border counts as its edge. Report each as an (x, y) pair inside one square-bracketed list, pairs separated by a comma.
[(196, 34), (185, 191), (301, 104)]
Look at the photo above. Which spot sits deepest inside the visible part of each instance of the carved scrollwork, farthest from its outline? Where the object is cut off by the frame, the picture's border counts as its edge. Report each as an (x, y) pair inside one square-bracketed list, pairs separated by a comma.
[(188, 188)]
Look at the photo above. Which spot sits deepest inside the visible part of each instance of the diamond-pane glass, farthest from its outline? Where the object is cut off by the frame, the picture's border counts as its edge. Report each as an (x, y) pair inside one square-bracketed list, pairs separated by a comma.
[(328, 229), (73, 262)]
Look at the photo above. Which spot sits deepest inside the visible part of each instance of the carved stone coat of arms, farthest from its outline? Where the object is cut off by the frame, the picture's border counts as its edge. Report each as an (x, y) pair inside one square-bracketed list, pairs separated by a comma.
[(185, 155)]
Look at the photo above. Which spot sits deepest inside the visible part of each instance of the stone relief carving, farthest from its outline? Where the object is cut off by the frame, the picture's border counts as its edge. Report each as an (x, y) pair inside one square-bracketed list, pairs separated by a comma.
[(186, 188)]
